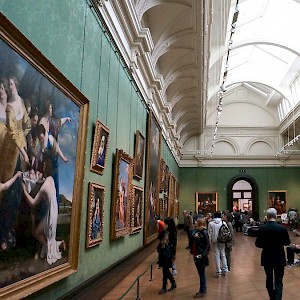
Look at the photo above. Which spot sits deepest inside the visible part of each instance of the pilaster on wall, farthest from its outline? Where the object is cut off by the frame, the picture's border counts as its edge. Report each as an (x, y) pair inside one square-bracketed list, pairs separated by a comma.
[(135, 45)]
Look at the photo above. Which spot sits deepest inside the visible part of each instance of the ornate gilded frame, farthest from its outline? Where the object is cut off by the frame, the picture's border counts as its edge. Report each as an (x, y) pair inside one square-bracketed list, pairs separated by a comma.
[(151, 120), (134, 228), (171, 196), (90, 242), (114, 232), (138, 137), (95, 167), (19, 43)]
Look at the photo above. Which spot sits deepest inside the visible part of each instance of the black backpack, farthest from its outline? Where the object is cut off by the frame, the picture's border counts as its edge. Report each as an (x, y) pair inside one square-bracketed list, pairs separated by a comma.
[(224, 234)]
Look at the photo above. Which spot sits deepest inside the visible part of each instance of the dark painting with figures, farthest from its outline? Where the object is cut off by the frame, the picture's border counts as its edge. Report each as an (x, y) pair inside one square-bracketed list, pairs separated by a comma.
[(139, 156), (38, 142), (278, 200), (153, 177), (137, 209)]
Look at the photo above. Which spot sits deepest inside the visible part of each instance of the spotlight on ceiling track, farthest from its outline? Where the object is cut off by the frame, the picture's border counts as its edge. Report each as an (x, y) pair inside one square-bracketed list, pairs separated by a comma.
[(223, 88)]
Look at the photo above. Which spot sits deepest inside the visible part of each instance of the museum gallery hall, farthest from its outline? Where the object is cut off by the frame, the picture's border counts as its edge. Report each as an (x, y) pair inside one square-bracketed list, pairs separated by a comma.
[(134, 133)]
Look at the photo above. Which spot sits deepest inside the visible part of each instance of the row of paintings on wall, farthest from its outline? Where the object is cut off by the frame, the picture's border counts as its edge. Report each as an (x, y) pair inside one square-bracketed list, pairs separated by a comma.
[(127, 199), (207, 202), (42, 168)]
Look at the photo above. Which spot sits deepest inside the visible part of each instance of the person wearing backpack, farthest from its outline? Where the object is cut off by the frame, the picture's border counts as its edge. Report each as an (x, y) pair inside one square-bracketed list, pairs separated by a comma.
[(217, 231), (200, 250), (227, 217)]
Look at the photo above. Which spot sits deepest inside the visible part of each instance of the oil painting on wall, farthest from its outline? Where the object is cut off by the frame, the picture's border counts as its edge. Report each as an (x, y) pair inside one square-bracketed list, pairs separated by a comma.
[(139, 155), (278, 200), (100, 148), (95, 214), (121, 198), (206, 202), (153, 177), (137, 209), (41, 161)]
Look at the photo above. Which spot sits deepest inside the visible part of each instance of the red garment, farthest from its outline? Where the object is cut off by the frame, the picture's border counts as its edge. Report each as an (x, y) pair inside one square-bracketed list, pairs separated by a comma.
[(161, 226)]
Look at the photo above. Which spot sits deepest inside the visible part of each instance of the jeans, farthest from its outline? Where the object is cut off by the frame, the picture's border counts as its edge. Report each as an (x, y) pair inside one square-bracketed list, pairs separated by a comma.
[(167, 275), (274, 294), (219, 250), (201, 272), (228, 250)]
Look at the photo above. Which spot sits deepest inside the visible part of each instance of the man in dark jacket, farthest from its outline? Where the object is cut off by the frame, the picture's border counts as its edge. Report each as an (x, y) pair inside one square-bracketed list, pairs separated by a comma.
[(271, 238)]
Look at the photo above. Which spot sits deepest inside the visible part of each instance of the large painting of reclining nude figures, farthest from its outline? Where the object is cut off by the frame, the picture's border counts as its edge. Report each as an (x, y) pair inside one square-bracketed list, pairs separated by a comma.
[(42, 119)]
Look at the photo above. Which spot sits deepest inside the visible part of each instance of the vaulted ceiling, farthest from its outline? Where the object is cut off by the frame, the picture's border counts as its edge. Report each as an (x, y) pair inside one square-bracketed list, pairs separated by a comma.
[(177, 51)]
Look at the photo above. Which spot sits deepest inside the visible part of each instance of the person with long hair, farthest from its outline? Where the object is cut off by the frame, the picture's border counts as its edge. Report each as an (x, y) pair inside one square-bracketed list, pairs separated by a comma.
[(200, 251), (172, 231)]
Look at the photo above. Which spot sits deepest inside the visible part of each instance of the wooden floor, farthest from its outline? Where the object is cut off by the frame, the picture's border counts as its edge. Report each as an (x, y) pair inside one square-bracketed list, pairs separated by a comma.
[(245, 281)]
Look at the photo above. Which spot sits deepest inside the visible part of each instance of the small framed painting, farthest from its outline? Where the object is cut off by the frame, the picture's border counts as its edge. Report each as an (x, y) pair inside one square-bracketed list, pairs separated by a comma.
[(139, 150), (95, 214), (136, 209), (100, 148)]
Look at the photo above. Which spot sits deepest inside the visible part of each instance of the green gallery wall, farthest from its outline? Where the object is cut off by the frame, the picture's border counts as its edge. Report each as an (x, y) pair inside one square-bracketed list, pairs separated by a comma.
[(216, 180), (70, 35)]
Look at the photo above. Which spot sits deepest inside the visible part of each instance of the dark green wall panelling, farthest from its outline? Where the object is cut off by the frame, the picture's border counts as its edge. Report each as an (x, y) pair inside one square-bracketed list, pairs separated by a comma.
[(69, 34), (216, 179)]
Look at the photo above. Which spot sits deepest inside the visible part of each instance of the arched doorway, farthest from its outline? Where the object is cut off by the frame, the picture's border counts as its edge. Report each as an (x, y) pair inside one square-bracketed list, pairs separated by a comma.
[(242, 192)]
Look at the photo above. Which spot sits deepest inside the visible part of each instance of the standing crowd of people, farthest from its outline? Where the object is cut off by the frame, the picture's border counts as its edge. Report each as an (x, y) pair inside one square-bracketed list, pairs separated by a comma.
[(216, 232)]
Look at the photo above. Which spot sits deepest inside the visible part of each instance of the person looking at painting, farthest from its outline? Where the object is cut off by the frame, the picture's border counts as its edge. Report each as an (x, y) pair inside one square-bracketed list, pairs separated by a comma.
[(45, 230), (96, 224), (101, 151), (52, 124), (50, 152), (165, 260)]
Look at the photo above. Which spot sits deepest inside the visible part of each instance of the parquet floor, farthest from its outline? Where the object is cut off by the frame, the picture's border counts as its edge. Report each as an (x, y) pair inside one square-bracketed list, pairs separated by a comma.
[(246, 280)]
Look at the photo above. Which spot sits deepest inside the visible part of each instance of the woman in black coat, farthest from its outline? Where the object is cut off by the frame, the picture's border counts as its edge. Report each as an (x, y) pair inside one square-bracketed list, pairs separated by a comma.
[(200, 250), (166, 258)]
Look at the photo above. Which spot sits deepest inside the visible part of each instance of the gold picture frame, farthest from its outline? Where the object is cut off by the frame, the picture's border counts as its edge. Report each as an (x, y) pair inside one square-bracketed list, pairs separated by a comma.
[(137, 209), (171, 196), (100, 148), (139, 155), (207, 202), (154, 137), (121, 195), (95, 214), (33, 61)]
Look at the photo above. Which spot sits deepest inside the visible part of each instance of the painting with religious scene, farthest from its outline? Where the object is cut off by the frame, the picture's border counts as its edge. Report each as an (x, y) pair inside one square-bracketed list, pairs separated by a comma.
[(278, 200), (95, 214), (139, 155), (137, 209), (100, 148), (206, 202), (121, 205), (41, 121), (153, 178)]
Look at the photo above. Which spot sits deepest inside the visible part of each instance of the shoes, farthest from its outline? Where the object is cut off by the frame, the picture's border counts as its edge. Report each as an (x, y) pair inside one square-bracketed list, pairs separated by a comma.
[(174, 272), (162, 291), (224, 273), (173, 287), (200, 294), (218, 274)]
